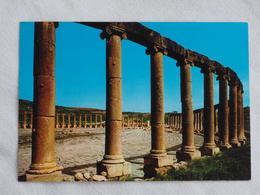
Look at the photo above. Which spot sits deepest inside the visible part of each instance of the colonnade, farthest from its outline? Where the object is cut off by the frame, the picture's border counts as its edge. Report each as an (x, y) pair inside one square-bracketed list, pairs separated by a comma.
[(27, 120), (79, 120), (158, 161)]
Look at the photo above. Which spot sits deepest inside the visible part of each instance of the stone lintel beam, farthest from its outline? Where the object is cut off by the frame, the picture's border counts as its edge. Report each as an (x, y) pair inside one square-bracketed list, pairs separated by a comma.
[(142, 35)]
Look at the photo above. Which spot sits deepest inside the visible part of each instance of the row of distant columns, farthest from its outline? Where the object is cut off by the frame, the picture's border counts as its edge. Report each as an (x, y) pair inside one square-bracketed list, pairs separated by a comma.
[(133, 121), (79, 121), (113, 162), (83, 121)]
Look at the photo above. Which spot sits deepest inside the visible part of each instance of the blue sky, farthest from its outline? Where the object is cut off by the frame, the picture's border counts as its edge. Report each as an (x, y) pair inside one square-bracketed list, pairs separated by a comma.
[(80, 63)]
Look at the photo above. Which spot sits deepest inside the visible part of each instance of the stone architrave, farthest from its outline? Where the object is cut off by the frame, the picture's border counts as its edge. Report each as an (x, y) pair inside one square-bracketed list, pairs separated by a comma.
[(158, 158), (43, 166), (233, 113), (209, 146), (188, 150), (113, 162), (223, 113)]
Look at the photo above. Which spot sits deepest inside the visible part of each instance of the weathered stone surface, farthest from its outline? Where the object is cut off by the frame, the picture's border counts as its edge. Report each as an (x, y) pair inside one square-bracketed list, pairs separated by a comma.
[(158, 161), (188, 156), (127, 168), (151, 171), (112, 170), (55, 176), (209, 151), (98, 178), (68, 178), (79, 177), (87, 175)]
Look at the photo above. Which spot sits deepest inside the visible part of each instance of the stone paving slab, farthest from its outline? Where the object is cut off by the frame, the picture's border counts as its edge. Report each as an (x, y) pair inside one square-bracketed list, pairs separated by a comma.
[(80, 152)]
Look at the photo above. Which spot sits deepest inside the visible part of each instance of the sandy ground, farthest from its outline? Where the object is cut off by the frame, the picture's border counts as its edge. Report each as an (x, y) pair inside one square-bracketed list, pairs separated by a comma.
[(80, 152)]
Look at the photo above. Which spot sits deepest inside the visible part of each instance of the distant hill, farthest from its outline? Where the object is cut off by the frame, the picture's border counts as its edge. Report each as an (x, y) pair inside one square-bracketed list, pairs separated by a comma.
[(25, 105)]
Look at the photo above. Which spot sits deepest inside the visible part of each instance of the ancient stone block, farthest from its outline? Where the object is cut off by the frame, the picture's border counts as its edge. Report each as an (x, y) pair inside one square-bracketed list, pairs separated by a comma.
[(112, 170), (158, 161), (127, 168), (209, 151), (188, 156), (55, 176)]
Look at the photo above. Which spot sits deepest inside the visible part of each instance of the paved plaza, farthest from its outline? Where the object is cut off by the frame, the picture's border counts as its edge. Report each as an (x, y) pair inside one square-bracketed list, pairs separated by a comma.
[(80, 152)]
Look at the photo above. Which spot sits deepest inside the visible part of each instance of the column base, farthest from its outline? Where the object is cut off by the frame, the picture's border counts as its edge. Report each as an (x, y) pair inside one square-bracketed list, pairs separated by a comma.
[(114, 170), (224, 147), (235, 144), (157, 165), (188, 155), (209, 151), (242, 143), (54, 176)]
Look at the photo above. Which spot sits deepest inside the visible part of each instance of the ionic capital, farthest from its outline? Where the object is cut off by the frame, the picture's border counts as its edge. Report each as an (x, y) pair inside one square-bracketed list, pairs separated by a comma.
[(223, 77), (154, 49), (113, 30), (233, 81), (208, 69), (185, 61)]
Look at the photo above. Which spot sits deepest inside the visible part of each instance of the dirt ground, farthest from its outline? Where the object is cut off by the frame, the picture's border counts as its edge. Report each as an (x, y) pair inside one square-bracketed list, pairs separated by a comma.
[(80, 152)]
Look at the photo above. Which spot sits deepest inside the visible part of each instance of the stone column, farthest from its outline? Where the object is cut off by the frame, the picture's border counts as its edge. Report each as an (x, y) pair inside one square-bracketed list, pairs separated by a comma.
[(209, 146), (24, 119), (113, 162), (69, 121), (158, 159), (216, 120), (80, 121), (243, 115), (74, 121), (90, 120), (128, 124), (62, 121), (223, 113), (31, 120), (188, 151), (100, 121), (142, 121), (85, 121), (43, 166), (195, 121), (233, 113), (57, 120), (240, 116)]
